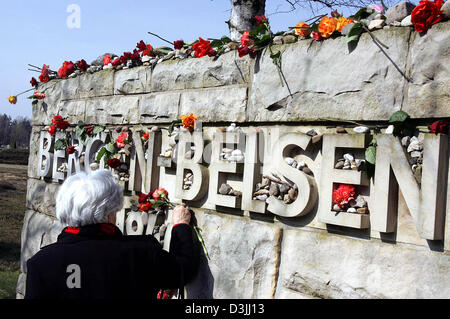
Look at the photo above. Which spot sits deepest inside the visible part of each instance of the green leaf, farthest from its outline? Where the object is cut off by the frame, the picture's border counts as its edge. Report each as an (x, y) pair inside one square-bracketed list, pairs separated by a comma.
[(399, 117), (352, 38), (97, 129), (84, 138), (225, 39), (110, 148), (60, 144), (371, 154), (100, 154), (355, 30), (79, 130), (276, 55)]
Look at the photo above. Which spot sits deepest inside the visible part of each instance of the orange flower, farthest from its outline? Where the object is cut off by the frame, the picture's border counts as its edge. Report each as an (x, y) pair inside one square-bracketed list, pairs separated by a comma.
[(12, 99), (301, 29), (343, 21), (188, 121), (327, 26)]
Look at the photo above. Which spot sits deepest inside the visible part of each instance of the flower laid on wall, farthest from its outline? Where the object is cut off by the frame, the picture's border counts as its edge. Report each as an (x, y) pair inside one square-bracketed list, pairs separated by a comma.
[(343, 194), (426, 14)]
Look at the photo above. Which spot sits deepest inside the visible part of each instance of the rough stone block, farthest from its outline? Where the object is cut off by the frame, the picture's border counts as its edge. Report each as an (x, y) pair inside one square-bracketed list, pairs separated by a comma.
[(428, 66), (159, 107), (204, 72), (134, 80), (224, 104), (41, 196), (97, 84), (112, 110), (363, 84), (365, 269), (243, 262)]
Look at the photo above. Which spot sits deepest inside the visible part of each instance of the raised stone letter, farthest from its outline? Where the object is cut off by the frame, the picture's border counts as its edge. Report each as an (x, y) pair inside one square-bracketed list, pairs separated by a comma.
[(93, 145), (217, 166), (330, 175), (252, 173), (144, 174), (200, 183), (307, 189), (426, 203), (59, 157), (73, 161), (45, 167)]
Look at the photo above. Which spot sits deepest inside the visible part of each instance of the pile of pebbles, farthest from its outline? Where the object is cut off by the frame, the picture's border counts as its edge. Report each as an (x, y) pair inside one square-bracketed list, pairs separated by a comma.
[(414, 149), (356, 206), (226, 189), (188, 180), (275, 186), (348, 161)]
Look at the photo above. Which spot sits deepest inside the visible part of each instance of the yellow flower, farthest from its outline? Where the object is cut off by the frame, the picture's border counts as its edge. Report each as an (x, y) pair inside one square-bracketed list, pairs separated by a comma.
[(327, 26), (343, 21), (188, 121), (12, 99), (302, 29)]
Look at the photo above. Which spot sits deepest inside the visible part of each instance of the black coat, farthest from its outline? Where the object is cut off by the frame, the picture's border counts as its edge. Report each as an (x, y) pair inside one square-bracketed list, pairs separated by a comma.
[(111, 265)]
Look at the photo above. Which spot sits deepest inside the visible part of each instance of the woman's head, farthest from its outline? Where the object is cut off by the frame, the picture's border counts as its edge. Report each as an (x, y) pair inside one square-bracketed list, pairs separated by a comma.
[(85, 199)]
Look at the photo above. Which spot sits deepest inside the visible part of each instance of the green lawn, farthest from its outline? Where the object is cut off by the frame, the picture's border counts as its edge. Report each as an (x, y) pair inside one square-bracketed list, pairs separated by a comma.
[(13, 180)]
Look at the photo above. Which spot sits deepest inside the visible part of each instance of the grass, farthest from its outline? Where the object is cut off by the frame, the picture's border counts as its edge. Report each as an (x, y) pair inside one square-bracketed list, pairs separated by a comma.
[(13, 181)]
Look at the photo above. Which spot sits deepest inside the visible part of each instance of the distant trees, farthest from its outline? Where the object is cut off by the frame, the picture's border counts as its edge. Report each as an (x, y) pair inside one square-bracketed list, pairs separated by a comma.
[(15, 132)]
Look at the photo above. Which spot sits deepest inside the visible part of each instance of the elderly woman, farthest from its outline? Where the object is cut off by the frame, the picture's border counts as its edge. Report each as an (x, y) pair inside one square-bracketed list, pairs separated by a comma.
[(93, 259)]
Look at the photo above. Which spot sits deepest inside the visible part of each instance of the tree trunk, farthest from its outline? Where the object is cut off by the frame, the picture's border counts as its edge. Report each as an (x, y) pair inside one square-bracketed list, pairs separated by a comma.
[(242, 14)]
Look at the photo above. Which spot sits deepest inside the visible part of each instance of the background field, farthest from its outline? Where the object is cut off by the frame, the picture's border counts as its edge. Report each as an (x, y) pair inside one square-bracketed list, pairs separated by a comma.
[(13, 182)]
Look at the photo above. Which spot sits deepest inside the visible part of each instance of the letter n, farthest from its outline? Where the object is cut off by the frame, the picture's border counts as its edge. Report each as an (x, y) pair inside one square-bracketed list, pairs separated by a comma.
[(425, 202)]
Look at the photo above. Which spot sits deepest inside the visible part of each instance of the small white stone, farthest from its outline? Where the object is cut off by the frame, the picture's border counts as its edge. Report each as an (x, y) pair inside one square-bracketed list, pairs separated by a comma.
[(146, 58), (405, 141), (389, 130), (406, 22), (232, 127), (415, 146), (416, 154), (361, 129), (351, 210), (376, 24), (300, 165), (289, 160), (93, 166), (262, 197), (236, 152), (349, 157)]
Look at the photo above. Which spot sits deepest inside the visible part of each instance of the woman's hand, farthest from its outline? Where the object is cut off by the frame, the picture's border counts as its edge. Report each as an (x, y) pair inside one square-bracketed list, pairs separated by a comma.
[(181, 215)]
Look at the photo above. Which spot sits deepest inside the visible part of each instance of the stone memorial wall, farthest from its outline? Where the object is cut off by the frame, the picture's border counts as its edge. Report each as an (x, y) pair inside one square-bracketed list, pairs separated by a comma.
[(261, 188)]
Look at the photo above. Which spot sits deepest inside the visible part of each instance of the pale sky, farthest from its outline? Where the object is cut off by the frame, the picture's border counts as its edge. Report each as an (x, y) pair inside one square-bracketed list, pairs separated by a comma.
[(37, 32)]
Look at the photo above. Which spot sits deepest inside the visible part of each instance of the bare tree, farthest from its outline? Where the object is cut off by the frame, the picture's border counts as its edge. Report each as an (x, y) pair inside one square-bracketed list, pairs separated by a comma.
[(242, 14)]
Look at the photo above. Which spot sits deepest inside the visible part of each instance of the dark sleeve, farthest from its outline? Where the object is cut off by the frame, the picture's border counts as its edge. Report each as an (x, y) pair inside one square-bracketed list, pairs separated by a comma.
[(177, 267)]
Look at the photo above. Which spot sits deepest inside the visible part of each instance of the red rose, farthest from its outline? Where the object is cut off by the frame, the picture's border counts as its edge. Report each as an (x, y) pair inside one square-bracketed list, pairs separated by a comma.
[(59, 123), (252, 53), (245, 39), (145, 206), (71, 150), (141, 46), (439, 127), (143, 198), (123, 137), (243, 51), (106, 59), (260, 20), (33, 82), (135, 55), (67, 68), (114, 162), (45, 74), (88, 129), (426, 14), (343, 194), (160, 194), (52, 129), (177, 45), (82, 65), (316, 36), (201, 48), (116, 62), (148, 51)]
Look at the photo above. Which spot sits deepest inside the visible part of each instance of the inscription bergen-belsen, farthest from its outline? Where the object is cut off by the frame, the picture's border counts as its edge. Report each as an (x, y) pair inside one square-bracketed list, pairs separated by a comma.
[(201, 176)]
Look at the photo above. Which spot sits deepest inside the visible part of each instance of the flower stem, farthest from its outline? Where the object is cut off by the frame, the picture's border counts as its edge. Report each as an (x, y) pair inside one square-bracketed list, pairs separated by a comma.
[(160, 38), (24, 92)]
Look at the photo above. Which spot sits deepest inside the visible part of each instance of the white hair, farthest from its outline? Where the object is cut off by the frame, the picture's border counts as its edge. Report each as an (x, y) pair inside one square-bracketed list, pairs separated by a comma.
[(85, 199)]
